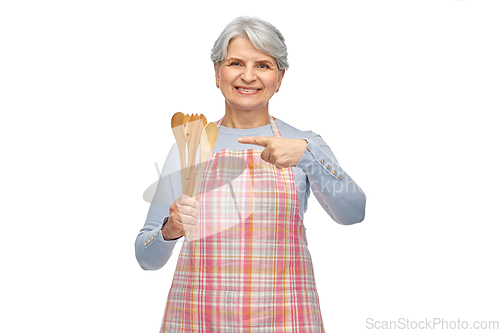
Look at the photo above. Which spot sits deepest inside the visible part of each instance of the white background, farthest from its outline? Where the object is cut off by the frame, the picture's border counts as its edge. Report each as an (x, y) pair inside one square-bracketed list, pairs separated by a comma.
[(404, 92)]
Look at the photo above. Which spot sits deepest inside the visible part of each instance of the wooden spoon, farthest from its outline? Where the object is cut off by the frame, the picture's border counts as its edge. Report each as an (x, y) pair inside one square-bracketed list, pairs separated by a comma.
[(185, 129), (180, 138), (208, 138), (204, 120), (193, 126), (193, 130)]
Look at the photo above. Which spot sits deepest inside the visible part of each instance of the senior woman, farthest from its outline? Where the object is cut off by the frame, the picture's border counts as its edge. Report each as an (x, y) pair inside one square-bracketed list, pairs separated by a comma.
[(251, 270)]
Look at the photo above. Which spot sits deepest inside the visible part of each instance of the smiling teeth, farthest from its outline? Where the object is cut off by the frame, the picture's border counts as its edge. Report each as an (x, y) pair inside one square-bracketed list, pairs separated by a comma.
[(247, 89)]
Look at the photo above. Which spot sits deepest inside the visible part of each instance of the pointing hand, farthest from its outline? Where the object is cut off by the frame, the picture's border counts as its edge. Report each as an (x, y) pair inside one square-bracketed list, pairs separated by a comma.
[(282, 152)]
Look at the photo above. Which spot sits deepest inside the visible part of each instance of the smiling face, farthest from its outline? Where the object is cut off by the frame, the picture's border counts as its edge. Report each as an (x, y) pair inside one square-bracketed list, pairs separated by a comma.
[(247, 77)]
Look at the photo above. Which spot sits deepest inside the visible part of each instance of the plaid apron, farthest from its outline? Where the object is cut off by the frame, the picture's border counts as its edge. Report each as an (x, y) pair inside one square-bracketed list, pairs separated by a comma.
[(247, 268)]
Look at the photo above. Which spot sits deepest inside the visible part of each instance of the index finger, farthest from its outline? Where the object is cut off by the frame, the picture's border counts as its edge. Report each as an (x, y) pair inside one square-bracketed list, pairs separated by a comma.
[(255, 140)]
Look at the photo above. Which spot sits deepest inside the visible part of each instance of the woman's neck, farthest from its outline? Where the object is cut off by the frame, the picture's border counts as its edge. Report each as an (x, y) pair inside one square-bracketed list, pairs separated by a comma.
[(245, 119)]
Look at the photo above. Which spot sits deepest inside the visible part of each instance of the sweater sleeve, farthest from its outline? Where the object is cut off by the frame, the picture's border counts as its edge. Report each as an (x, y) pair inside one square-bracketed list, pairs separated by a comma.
[(335, 190), (152, 251)]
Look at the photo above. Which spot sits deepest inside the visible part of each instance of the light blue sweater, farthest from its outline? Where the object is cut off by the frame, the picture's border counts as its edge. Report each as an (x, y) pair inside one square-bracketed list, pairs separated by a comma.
[(318, 170)]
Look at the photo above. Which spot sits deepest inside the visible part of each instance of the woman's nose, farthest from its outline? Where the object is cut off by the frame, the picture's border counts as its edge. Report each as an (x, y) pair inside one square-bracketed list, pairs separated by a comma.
[(248, 74)]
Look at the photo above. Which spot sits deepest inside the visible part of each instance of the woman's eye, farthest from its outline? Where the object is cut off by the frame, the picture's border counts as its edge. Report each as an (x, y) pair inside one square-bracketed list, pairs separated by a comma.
[(235, 64), (263, 66)]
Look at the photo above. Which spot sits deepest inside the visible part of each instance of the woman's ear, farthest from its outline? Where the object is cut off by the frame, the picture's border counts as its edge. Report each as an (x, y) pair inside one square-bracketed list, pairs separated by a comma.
[(280, 77), (216, 75)]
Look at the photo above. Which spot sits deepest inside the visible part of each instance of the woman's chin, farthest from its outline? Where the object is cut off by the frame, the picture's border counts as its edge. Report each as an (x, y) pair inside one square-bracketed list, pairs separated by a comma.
[(247, 107)]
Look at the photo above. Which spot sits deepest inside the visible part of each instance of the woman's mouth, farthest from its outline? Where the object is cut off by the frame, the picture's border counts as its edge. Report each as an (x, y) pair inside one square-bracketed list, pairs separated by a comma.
[(247, 90)]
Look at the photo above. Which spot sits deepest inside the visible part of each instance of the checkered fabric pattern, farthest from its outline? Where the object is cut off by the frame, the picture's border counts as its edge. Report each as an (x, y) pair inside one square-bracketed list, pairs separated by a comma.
[(248, 269)]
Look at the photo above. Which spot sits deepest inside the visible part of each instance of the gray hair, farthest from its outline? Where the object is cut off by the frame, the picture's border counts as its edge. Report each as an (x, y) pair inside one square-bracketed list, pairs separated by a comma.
[(263, 35)]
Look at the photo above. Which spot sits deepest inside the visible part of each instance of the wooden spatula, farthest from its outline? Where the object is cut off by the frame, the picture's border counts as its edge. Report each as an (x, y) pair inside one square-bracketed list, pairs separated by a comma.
[(178, 129), (193, 126)]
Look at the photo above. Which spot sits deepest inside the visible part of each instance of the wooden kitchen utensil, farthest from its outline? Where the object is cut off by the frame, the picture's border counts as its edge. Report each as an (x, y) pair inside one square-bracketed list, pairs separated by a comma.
[(193, 126), (177, 123), (208, 139), (188, 130)]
